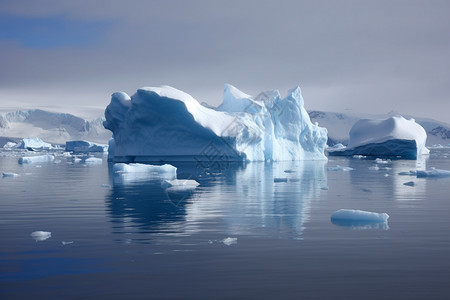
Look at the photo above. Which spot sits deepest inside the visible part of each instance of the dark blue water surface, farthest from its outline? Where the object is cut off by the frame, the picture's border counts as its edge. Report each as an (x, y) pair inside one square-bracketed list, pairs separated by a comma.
[(129, 238)]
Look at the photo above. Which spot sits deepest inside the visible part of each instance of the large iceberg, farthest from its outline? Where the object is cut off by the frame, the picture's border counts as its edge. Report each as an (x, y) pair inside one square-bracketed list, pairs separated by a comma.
[(392, 137), (165, 122)]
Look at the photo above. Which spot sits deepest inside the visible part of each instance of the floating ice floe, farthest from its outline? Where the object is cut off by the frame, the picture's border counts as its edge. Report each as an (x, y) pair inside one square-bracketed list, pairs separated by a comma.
[(138, 172), (374, 168), (360, 219), (165, 122), (93, 161), (36, 159), (34, 144), (394, 137), (66, 243), (9, 145), (85, 146), (280, 179), (435, 173), (9, 174), (179, 185), (339, 168), (229, 241), (39, 236)]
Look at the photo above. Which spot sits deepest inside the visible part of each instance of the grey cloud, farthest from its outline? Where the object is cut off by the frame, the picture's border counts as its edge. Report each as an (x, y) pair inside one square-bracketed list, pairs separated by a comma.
[(372, 56)]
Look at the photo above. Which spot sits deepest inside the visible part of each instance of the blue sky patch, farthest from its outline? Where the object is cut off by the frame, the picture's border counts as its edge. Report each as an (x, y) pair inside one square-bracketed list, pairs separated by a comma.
[(52, 32)]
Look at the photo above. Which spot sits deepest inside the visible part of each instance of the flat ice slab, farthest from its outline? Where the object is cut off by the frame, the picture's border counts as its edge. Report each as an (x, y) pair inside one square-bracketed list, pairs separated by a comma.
[(39, 236), (435, 173), (9, 174), (360, 219), (179, 185), (36, 159), (139, 172)]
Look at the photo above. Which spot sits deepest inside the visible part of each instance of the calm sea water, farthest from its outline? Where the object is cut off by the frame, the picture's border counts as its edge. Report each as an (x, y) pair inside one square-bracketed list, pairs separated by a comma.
[(259, 231)]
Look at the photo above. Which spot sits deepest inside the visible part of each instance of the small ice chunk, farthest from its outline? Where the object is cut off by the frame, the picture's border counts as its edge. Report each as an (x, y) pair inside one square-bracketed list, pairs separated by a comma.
[(229, 241), (93, 161), (9, 174), (105, 185), (382, 161), (359, 156), (66, 243), (280, 179), (36, 159), (359, 215), (435, 173), (339, 168), (179, 185), (374, 168), (409, 183), (410, 173), (139, 172), (9, 145), (40, 236)]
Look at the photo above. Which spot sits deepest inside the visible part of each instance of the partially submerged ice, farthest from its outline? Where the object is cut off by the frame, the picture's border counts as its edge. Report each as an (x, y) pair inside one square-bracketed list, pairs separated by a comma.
[(40, 236), (393, 137), (360, 219), (165, 122), (33, 144), (36, 159), (142, 172)]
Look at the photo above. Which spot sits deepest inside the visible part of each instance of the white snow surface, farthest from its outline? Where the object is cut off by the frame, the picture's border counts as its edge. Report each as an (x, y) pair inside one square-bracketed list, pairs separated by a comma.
[(394, 136), (53, 127), (164, 121), (359, 215), (36, 159), (368, 131)]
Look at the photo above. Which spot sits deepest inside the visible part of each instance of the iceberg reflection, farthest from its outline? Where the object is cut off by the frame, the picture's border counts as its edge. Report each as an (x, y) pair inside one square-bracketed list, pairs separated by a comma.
[(239, 201)]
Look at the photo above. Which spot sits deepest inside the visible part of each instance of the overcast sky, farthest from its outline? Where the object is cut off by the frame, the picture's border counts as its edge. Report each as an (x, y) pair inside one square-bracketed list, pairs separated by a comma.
[(347, 56)]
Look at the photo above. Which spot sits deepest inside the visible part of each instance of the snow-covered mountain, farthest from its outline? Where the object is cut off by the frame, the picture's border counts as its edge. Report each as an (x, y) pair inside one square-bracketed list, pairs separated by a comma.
[(339, 125), (55, 128)]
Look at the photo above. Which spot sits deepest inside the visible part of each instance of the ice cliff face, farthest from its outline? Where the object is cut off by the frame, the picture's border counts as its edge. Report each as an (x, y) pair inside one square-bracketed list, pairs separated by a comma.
[(165, 122)]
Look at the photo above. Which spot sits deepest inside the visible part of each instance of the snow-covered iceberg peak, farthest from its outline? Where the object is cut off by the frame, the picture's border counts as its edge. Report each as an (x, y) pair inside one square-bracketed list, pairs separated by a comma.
[(394, 136), (165, 122)]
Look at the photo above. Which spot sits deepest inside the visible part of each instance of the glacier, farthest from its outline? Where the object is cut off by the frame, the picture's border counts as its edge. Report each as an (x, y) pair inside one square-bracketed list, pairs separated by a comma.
[(163, 122), (394, 137)]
